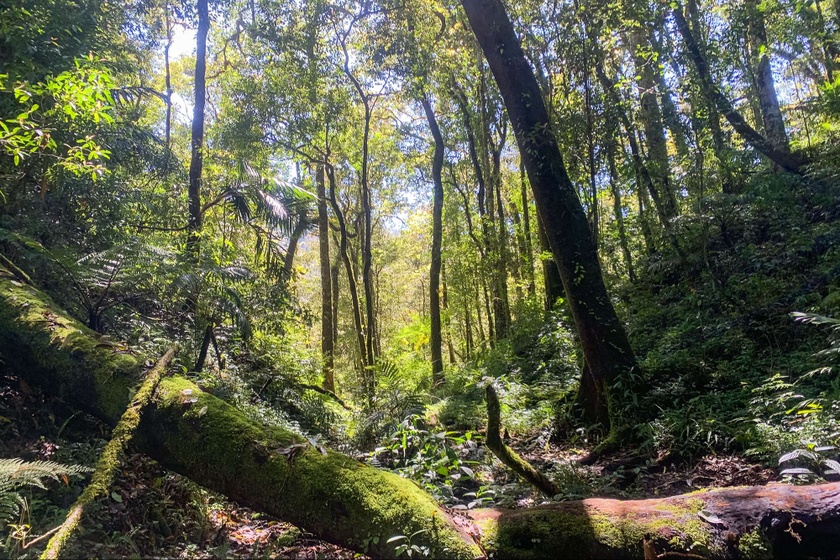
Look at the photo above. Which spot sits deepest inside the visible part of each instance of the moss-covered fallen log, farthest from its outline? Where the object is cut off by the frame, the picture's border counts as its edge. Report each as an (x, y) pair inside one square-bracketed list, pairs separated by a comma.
[(351, 504), (200, 436), (775, 521), (109, 460)]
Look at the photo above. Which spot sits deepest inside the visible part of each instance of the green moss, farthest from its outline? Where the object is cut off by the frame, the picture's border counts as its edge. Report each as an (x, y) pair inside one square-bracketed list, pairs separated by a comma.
[(755, 545), (575, 530), (58, 351), (331, 495), (211, 442)]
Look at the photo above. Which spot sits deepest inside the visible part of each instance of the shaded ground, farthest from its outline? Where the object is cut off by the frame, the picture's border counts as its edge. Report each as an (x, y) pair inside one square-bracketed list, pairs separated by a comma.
[(153, 512), (622, 476)]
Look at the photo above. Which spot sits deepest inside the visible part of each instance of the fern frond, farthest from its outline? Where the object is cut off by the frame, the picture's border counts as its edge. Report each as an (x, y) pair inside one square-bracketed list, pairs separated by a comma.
[(16, 473)]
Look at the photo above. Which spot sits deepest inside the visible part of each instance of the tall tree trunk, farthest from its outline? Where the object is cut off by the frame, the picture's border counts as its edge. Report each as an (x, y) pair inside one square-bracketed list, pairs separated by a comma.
[(468, 331), (618, 208), (645, 180), (719, 144), (335, 270), (327, 341), (503, 244), (789, 161), (497, 237), (486, 213), (289, 258), (604, 341), (518, 268), (436, 339), (651, 117), (526, 226), (168, 79), (644, 223), (197, 140), (204, 349), (351, 284), (446, 320), (768, 101), (551, 274), (670, 112), (367, 226)]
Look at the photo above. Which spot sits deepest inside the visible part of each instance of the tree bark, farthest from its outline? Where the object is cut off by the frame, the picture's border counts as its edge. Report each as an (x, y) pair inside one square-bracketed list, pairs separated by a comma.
[(618, 208), (289, 258), (351, 281), (367, 222), (552, 282), (436, 338), (651, 116), (501, 256), (486, 211), (791, 162), (602, 336), (200, 436), (197, 139), (327, 342), (168, 80), (643, 175), (719, 523), (359, 507), (768, 101), (204, 349), (526, 229), (110, 458)]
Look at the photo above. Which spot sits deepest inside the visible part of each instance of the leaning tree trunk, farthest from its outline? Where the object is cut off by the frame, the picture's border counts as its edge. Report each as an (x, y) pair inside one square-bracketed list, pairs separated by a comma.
[(602, 336), (200, 436), (791, 162), (360, 507)]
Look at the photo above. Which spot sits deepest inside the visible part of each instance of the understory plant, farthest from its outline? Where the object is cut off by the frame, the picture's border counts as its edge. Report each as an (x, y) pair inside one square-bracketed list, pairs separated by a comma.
[(16, 474), (442, 462)]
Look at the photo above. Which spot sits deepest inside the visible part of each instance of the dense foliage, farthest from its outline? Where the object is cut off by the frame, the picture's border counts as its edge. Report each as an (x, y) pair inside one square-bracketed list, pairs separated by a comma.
[(287, 243)]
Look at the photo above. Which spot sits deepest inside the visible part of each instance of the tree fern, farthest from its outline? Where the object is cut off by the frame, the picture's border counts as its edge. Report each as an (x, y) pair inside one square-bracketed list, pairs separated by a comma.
[(17, 473)]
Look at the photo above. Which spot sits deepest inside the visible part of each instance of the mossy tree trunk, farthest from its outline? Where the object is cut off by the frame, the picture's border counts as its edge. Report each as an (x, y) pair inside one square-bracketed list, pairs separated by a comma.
[(200, 436), (776, 521), (359, 507)]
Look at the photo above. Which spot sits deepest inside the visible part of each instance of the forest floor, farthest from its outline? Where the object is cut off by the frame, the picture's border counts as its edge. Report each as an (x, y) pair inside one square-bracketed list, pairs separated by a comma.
[(153, 512)]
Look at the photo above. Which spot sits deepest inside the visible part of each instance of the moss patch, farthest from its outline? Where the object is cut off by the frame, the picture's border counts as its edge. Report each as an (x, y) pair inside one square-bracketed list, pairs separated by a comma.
[(755, 545), (581, 530), (204, 438)]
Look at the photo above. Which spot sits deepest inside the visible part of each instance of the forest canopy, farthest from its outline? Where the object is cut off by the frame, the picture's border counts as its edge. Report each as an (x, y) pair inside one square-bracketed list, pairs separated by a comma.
[(318, 278)]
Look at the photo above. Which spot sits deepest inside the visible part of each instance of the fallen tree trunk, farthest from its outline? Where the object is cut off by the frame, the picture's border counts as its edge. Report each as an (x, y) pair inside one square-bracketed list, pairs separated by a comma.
[(775, 521), (200, 436), (359, 507), (109, 460)]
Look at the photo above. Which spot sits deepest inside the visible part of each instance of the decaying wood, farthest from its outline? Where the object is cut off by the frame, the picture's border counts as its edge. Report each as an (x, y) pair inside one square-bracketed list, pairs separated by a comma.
[(508, 456), (109, 461), (200, 436), (359, 507), (774, 521)]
